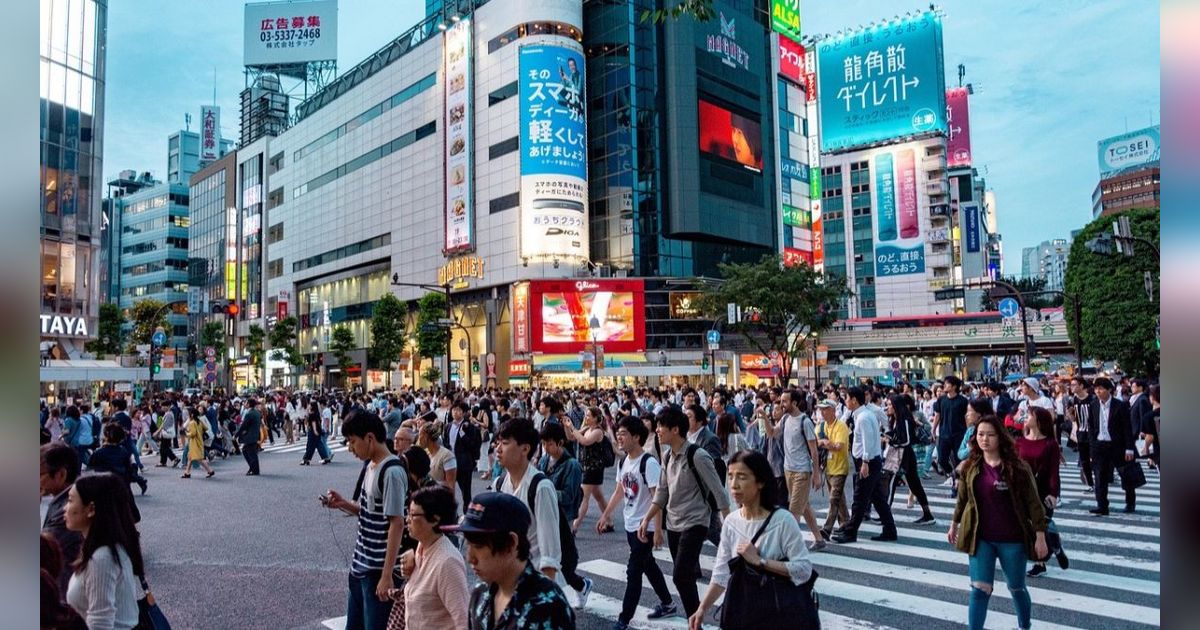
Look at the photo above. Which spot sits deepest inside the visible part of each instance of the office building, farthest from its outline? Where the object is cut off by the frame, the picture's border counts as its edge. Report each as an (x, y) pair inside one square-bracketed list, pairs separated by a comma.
[(212, 242), (1129, 172), (1047, 261)]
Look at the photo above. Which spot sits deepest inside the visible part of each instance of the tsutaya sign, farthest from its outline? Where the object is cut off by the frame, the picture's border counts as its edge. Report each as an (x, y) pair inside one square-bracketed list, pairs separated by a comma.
[(461, 268), (64, 326)]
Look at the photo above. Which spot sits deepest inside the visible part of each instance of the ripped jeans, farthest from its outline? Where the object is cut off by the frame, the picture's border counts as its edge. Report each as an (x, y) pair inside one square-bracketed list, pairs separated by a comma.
[(983, 572)]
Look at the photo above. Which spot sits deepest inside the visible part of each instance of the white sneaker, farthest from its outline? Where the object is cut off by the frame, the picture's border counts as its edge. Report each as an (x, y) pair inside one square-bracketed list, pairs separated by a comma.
[(948, 482)]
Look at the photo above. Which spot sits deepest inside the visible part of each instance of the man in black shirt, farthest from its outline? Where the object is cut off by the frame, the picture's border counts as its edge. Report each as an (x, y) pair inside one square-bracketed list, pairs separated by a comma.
[(1079, 412), (950, 423)]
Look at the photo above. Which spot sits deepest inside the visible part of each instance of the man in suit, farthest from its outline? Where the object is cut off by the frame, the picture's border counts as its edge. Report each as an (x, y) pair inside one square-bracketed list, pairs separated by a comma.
[(249, 434), (1139, 407), (1111, 442), (463, 439), (1002, 403)]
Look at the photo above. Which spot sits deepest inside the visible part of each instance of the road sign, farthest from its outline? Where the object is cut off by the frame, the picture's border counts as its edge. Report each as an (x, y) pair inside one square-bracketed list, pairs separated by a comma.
[(1008, 307), (210, 351), (210, 377), (159, 338), (714, 346), (775, 369), (714, 337)]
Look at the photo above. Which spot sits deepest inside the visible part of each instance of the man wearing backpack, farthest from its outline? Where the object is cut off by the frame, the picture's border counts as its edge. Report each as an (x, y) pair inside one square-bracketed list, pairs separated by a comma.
[(551, 545), (692, 492), (561, 468), (637, 481), (700, 435), (799, 459)]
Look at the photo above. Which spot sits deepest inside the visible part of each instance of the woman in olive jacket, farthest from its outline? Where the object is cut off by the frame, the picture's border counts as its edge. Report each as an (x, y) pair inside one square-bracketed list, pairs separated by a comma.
[(997, 517)]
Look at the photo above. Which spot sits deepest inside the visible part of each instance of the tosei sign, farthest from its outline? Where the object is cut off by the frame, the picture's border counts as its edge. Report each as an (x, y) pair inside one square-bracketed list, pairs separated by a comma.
[(1128, 151)]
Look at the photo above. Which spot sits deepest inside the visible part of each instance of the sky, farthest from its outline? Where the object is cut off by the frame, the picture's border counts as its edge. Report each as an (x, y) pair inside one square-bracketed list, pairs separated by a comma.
[(1051, 79)]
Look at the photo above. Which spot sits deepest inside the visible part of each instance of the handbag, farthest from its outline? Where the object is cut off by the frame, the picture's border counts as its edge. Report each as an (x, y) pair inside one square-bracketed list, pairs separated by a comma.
[(150, 616), (891, 461), (1132, 476), (758, 599)]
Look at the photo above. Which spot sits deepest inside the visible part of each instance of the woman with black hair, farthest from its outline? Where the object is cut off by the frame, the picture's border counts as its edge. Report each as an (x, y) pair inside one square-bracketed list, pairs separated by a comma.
[(899, 409), (106, 584), (780, 548), (436, 594), (316, 434)]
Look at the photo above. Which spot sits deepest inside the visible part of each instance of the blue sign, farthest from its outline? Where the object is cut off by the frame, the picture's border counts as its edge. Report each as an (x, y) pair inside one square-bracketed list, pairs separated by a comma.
[(1008, 307), (714, 336), (882, 82), (159, 338), (553, 141), (972, 215), (794, 169), (898, 261), (1129, 151), (885, 190)]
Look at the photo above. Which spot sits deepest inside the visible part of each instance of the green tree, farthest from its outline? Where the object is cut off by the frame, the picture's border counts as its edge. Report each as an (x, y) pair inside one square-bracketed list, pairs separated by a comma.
[(108, 335), (780, 305), (388, 335), (254, 344), (283, 342), (432, 340), (213, 334), (341, 344), (1029, 288), (700, 10), (1118, 318), (432, 374), (146, 316)]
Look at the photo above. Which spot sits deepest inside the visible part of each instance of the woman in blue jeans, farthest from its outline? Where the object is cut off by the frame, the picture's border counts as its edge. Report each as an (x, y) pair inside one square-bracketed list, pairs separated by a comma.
[(998, 516)]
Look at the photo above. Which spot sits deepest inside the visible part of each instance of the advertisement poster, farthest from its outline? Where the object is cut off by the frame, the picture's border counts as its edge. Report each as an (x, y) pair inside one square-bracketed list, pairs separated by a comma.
[(958, 128), (1128, 152), (899, 249), (785, 17), (457, 135), (283, 33), (791, 59), (210, 133), (566, 315), (818, 235), (728, 136), (882, 83), (972, 232), (793, 257), (520, 317), (554, 191)]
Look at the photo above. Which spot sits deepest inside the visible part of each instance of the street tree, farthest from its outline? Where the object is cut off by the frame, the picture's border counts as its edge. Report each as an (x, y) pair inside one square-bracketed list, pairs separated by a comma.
[(341, 344), (254, 348), (283, 343), (108, 333), (146, 316), (700, 10), (431, 338), (432, 374), (1030, 289), (1119, 319), (213, 335), (780, 305), (388, 334)]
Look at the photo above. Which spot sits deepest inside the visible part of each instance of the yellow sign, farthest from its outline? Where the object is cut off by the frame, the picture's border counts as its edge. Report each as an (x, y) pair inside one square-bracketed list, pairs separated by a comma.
[(685, 305), (458, 269)]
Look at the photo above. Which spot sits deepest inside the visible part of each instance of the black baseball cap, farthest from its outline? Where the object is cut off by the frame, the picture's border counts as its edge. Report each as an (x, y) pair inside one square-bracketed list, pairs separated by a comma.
[(493, 512)]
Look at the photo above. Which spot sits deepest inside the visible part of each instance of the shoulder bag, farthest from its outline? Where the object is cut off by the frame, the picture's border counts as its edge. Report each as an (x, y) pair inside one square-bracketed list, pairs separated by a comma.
[(150, 616), (758, 599), (891, 461)]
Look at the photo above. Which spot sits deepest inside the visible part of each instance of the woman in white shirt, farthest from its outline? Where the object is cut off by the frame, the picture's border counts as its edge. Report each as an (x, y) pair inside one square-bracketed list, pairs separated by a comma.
[(752, 486), (106, 585)]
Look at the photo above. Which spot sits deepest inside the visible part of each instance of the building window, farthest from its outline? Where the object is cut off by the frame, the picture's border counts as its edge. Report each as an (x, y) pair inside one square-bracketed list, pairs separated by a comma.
[(502, 94), (377, 110), (403, 141), (503, 147), (343, 252), (499, 204), (275, 234), (275, 268)]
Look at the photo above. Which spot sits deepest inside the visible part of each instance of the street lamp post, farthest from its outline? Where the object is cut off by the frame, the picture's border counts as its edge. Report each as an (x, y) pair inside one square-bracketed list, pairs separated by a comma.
[(594, 327), (441, 288)]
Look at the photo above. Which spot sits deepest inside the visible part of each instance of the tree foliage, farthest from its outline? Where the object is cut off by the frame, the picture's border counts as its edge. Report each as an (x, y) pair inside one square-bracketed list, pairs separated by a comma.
[(283, 342), (1029, 288), (388, 334), (780, 305), (341, 344), (108, 334), (213, 334), (432, 374), (432, 342), (146, 316), (1118, 318), (700, 10), (254, 344)]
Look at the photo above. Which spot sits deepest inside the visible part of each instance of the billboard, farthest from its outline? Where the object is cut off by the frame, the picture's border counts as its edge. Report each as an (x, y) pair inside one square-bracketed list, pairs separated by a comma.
[(554, 191), (818, 250), (562, 314), (785, 17), (882, 82), (459, 208), (899, 249), (1128, 151), (728, 136), (210, 133), (791, 60), (520, 317), (285, 33), (971, 214), (958, 128)]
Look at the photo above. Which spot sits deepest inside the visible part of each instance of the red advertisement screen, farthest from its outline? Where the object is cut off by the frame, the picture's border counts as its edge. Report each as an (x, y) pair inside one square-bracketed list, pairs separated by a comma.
[(729, 136), (562, 312)]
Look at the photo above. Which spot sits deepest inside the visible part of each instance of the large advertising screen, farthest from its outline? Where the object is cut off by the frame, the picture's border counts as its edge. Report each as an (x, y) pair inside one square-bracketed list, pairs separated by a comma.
[(882, 82), (729, 136), (563, 314), (958, 128), (284, 33), (1128, 151), (899, 248), (459, 202), (554, 192)]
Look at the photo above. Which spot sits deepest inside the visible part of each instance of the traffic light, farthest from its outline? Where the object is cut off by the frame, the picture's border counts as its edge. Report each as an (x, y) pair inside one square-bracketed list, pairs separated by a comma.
[(1103, 244), (155, 360), (704, 363), (474, 366), (233, 309)]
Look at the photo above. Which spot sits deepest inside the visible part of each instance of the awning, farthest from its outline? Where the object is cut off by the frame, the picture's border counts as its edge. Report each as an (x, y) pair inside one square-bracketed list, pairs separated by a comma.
[(91, 370), (572, 363)]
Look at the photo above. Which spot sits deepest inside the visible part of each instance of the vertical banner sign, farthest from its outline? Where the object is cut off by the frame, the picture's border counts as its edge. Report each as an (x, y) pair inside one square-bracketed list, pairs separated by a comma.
[(553, 152), (972, 231), (281, 304), (785, 17), (210, 133), (899, 249), (810, 76), (818, 236), (882, 83), (958, 128), (520, 318), (459, 142), (791, 60)]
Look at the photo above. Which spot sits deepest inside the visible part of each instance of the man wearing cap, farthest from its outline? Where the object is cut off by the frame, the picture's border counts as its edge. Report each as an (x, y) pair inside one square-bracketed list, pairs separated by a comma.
[(833, 437), (512, 594), (1031, 396)]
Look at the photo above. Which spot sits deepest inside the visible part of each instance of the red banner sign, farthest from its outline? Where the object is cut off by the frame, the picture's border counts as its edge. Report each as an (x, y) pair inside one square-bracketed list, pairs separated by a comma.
[(958, 126), (791, 59), (519, 368)]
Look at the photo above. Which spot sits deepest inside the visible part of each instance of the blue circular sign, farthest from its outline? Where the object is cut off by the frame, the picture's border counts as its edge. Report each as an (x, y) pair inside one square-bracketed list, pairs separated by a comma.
[(714, 336), (159, 338), (1008, 307)]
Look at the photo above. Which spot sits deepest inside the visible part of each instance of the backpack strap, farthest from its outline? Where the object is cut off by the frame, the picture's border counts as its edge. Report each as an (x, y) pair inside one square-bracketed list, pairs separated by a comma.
[(691, 462), (531, 499), (362, 475), (642, 466)]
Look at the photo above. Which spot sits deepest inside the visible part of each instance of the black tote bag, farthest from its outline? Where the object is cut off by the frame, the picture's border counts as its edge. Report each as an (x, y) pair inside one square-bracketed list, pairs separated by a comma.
[(757, 599)]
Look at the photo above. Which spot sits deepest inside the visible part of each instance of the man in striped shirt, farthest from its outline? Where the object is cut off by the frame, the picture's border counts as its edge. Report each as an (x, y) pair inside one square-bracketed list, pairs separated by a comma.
[(379, 507), (1078, 412)]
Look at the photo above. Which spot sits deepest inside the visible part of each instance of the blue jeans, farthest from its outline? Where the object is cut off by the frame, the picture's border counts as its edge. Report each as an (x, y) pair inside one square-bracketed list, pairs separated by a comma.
[(982, 570), (364, 611)]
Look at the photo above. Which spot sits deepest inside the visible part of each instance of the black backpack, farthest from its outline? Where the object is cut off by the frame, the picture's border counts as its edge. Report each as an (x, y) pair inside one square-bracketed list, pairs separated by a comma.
[(566, 540), (641, 466), (406, 541), (691, 462)]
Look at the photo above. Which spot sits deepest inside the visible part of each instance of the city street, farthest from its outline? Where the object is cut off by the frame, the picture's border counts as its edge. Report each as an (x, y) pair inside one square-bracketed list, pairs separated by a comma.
[(248, 552)]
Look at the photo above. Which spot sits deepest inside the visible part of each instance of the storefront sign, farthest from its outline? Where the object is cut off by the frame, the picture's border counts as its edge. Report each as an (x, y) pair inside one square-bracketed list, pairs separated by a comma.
[(785, 17), (460, 268), (791, 59), (520, 317), (725, 44), (685, 305), (64, 326), (519, 369)]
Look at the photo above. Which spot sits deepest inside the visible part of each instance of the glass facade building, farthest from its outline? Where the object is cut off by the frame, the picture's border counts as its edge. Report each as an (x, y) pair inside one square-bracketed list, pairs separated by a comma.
[(72, 112)]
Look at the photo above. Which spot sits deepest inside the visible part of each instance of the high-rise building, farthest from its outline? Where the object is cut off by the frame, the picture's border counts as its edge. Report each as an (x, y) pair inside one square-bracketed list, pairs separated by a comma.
[(213, 239), (72, 54), (183, 155), (264, 109), (1047, 261), (1129, 172)]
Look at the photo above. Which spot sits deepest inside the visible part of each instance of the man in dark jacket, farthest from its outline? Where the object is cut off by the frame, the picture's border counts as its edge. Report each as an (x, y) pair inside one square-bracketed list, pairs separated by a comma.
[(1111, 442), (249, 434), (1002, 403), (462, 437), (1139, 407), (60, 469)]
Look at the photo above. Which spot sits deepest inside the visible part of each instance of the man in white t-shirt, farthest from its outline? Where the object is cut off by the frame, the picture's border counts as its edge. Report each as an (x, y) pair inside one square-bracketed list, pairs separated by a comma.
[(1031, 396), (799, 461), (638, 478)]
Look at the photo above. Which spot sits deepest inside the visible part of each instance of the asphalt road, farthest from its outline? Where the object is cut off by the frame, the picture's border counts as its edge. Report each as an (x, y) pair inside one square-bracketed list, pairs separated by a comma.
[(259, 552)]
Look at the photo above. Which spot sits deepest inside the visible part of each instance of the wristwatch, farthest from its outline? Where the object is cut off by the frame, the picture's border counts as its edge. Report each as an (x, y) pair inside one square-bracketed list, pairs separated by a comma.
[(762, 563)]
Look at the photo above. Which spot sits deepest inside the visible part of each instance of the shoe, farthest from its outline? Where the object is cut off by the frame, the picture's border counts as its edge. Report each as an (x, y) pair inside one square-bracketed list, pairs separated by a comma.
[(210, 474), (327, 460), (817, 545), (185, 476), (175, 464), (586, 592), (874, 519), (825, 534), (249, 472), (620, 625), (1062, 559), (1037, 570), (1098, 512), (948, 482), (305, 462), (160, 465), (142, 483), (926, 520), (663, 610), (842, 538), (885, 537), (1129, 509)]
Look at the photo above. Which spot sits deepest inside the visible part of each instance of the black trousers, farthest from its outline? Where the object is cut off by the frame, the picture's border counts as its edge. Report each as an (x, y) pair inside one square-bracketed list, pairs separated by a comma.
[(869, 491), (685, 549), (165, 451), (1085, 460), (250, 452), (464, 483), (908, 465), (1105, 460), (641, 563)]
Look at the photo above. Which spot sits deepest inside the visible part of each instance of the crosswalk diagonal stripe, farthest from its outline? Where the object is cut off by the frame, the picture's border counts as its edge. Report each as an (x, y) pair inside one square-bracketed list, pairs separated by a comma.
[(1092, 524)]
